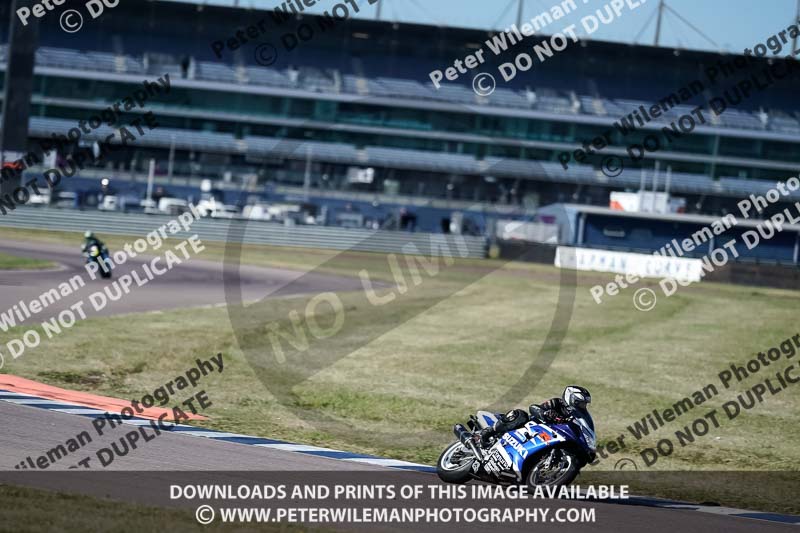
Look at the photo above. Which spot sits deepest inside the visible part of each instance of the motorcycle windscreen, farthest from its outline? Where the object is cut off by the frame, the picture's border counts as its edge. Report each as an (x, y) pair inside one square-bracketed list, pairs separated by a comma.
[(585, 417), (586, 424)]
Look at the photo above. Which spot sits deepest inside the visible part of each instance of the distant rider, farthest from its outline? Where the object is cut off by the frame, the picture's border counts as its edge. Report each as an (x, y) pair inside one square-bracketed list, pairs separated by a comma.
[(90, 240), (552, 411)]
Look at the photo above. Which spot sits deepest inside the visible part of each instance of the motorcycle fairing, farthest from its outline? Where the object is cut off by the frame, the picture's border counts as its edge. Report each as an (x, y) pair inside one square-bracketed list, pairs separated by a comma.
[(486, 419), (516, 446)]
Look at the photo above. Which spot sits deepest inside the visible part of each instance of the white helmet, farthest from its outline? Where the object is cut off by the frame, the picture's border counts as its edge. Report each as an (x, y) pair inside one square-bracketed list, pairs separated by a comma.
[(576, 396), (88, 235)]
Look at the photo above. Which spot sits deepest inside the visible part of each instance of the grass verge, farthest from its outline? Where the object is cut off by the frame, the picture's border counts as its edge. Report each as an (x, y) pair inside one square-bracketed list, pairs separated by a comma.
[(13, 262), (26, 510), (446, 358)]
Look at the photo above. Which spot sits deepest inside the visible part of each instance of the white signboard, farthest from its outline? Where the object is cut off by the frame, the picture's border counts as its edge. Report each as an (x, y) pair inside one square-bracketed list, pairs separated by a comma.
[(642, 265), (527, 231)]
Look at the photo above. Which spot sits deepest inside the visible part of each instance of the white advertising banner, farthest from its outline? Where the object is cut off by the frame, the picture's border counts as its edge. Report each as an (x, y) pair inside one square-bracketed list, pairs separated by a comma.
[(642, 265)]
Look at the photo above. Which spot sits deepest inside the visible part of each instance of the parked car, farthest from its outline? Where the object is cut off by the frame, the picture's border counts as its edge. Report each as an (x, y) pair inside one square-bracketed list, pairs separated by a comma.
[(65, 200), (214, 209), (172, 206), (40, 199), (149, 206), (110, 203)]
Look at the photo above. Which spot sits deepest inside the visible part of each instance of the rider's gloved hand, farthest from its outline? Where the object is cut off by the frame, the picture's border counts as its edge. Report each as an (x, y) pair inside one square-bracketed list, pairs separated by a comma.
[(486, 435), (555, 409)]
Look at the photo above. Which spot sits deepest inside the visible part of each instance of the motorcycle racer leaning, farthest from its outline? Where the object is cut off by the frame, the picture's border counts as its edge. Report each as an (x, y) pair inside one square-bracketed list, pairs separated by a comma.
[(552, 411), (89, 240)]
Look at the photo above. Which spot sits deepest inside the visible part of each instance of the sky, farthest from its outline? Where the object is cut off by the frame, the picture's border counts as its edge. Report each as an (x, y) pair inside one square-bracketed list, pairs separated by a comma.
[(730, 25)]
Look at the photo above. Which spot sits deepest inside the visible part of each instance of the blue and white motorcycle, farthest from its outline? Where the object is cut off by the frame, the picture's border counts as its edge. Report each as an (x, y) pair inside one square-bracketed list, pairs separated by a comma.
[(535, 454), (99, 255)]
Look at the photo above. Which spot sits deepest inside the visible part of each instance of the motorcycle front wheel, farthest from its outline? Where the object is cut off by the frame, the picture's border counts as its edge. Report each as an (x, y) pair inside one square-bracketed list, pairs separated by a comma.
[(455, 464), (561, 469)]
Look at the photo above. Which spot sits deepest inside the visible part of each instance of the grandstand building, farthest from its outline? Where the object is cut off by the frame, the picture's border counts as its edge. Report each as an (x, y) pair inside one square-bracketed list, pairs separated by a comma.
[(348, 114)]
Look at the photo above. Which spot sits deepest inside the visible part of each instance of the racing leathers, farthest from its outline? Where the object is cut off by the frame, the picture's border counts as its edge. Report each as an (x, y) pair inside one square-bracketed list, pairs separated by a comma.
[(552, 411), (93, 241)]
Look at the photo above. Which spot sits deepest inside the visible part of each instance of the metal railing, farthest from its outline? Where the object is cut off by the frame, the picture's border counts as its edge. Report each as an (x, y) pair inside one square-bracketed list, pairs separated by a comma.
[(249, 232)]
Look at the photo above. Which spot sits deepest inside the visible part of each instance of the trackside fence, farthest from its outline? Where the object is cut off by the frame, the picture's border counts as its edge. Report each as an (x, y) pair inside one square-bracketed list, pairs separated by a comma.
[(255, 232)]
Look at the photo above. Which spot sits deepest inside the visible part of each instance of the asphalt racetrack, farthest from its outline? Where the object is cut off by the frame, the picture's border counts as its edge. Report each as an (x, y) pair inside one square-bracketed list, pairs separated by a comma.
[(144, 475), (26, 430), (193, 283), (170, 458)]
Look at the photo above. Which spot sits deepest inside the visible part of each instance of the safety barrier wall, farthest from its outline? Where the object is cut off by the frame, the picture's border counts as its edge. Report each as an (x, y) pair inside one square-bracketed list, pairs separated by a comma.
[(250, 232)]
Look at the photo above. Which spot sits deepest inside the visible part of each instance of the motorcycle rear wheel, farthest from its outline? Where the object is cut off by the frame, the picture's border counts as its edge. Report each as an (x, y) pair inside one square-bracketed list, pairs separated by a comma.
[(455, 464)]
